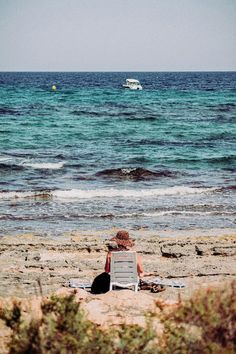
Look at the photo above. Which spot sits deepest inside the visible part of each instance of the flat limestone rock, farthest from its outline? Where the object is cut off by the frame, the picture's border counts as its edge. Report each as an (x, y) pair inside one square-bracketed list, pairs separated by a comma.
[(29, 260)]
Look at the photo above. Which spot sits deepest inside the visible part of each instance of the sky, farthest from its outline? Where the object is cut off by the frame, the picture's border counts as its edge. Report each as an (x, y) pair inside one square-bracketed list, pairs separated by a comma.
[(117, 35)]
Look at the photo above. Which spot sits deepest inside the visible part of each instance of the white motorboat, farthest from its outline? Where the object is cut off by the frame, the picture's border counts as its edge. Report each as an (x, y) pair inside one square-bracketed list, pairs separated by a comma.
[(132, 84)]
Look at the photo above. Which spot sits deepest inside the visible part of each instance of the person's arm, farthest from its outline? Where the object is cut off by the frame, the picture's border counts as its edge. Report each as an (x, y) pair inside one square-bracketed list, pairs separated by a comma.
[(108, 263), (140, 266), (140, 269)]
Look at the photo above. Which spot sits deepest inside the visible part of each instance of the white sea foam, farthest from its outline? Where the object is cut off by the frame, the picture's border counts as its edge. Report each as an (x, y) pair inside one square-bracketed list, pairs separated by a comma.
[(46, 165), (128, 193), (5, 159), (179, 212), (153, 214), (108, 193)]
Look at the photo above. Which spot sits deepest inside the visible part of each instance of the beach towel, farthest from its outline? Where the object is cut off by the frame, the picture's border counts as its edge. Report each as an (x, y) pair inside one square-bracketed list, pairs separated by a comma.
[(78, 283)]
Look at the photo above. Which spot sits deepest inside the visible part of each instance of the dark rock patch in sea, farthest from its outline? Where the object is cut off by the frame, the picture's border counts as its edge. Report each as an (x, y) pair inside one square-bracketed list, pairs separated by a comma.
[(60, 156), (24, 154), (223, 160), (142, 142), (9, 111), (87, 113), (99, 113), (138, 116), (231, 188), (225, 107), (10, 167), (38, 108), (224, 118), (134, 174), (222, 136), (229, 168), (83, 178)]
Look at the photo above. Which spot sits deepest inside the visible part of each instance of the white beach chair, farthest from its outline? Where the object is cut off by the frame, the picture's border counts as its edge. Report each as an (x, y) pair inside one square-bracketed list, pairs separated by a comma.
[(123, 270)]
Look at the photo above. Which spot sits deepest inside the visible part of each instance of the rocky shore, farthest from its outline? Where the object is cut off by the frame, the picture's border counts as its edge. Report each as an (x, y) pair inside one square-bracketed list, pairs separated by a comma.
[(31, 264), (33, 267)]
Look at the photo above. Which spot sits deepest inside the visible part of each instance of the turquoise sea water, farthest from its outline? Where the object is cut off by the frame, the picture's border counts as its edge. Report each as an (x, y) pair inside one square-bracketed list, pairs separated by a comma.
[(94, 155)]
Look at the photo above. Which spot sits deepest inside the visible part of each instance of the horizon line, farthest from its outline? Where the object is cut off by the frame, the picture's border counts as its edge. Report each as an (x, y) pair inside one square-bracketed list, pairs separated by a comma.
[(115, 71)]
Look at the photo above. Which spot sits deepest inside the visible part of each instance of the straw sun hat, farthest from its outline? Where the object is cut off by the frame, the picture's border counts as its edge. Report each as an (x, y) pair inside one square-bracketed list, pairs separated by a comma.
[(122, 239)]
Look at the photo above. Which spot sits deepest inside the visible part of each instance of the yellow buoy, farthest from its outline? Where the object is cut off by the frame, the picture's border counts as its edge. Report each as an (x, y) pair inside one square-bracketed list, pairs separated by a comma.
[(54, 87)]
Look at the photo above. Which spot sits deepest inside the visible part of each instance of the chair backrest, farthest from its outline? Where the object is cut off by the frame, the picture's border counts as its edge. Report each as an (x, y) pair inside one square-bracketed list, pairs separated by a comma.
[(123, 270)]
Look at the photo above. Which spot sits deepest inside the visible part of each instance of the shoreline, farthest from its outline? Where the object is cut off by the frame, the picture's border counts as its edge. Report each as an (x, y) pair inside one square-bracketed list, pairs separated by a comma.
[(197, 257)]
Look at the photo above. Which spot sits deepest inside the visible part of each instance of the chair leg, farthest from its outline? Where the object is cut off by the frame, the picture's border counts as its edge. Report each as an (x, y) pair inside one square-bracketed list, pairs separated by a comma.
[(136, 288), (110, 288)]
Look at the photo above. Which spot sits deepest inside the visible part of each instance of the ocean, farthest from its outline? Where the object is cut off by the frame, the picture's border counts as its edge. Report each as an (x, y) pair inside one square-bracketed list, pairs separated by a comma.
[(92, 155)]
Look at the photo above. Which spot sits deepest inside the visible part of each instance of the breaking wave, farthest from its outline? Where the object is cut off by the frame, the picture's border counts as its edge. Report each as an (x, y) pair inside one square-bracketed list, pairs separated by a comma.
[(74, 194), (44, 166)]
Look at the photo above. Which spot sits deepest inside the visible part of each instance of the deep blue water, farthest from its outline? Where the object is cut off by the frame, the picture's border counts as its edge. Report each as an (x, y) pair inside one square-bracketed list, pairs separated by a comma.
[(93, 155)]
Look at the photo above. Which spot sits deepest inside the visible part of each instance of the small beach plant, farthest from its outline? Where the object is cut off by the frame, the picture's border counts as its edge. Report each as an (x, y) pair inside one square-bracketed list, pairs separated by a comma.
[(206, 323), (24, 336)]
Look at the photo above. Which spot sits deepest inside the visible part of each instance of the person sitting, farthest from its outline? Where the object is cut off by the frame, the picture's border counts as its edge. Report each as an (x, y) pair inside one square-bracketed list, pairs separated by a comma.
[(121, 242)]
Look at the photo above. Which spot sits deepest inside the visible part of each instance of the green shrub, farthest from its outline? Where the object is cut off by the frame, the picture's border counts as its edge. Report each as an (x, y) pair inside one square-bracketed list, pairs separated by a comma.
[(25, 334), (135, 339), (64, 329), (204, 324)]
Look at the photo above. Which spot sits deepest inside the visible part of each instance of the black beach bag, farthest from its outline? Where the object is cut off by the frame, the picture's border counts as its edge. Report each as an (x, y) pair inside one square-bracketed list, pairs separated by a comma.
[(101, 284)]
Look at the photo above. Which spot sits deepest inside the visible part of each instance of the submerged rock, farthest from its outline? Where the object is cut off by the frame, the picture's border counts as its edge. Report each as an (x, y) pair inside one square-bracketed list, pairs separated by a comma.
[(134, 174)]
